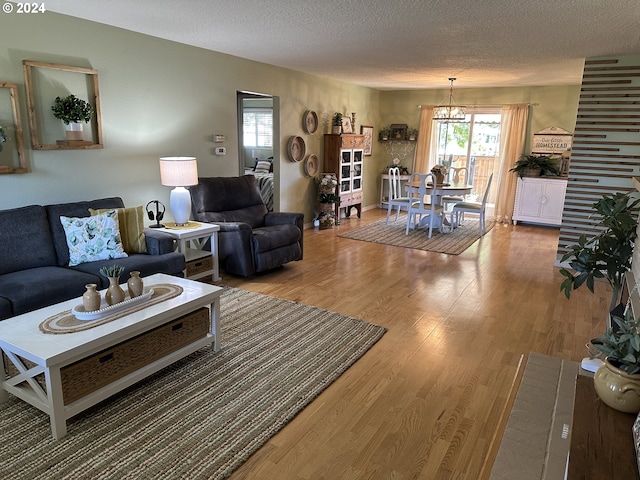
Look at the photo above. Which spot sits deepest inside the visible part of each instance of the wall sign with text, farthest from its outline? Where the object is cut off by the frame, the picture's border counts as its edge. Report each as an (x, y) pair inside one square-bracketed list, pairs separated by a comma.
[(551, 140)]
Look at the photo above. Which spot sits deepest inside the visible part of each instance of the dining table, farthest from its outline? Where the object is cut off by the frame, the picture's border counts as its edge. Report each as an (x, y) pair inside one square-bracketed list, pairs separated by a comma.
[(447, 189)]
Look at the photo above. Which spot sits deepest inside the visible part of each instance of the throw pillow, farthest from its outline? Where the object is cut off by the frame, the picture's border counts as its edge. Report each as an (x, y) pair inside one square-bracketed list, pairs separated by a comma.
[(131, 223), (93, 238), (263, 166)]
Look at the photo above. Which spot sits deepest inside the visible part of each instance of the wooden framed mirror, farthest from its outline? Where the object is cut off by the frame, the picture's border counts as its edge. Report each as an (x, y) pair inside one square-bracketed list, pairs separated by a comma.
[(12, 159), (45, 82)]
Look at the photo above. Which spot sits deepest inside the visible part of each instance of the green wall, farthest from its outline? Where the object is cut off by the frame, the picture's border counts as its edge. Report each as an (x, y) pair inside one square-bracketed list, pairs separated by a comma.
[(162, 98)]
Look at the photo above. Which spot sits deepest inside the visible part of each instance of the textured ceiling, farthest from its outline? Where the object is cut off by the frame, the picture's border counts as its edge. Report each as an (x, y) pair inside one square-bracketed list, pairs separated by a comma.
[(392, 45)]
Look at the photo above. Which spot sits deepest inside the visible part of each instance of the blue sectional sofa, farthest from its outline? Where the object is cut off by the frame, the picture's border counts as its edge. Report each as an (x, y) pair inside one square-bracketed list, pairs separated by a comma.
[(34, 257)]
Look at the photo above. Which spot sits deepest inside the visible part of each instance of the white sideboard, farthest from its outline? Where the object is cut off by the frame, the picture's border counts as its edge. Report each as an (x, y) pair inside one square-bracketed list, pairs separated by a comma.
[(540, 200)]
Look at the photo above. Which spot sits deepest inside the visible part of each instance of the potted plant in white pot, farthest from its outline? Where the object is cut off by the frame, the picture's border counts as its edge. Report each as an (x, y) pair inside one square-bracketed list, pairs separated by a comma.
[(336, 123), (72, 111)]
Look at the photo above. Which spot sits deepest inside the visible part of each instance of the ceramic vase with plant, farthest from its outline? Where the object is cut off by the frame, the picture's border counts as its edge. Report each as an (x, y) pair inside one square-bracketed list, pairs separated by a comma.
[(115, 293), (72, 111), (617, 380), (383, 134)]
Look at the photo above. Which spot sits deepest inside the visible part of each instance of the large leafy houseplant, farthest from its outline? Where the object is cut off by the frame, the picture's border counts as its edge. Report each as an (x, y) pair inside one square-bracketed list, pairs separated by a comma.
[(535, 165), (608, 254)]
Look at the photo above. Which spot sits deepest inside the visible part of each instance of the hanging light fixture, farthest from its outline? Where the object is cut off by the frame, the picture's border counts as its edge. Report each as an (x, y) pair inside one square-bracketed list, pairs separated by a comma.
[(449, 112)]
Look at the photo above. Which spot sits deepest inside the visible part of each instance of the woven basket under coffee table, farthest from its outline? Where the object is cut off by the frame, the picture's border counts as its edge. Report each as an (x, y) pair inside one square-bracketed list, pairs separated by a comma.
[(86, 365)]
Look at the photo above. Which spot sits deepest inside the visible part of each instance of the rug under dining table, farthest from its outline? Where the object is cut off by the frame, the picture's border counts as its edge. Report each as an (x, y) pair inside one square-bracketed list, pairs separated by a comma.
[(393, 233)]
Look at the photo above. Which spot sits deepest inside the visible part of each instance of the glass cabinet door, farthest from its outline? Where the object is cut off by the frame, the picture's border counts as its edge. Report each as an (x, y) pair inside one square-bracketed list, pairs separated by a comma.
[(357, 169)]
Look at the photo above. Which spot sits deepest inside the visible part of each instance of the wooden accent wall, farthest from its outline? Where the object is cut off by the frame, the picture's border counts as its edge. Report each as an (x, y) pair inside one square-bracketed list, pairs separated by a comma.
[(606, 145)]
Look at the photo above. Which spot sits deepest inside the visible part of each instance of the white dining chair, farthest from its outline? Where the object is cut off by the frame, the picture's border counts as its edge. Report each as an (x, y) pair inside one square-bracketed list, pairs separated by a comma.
[(457, 175), (418, 208), (396, 197), (472, 207)]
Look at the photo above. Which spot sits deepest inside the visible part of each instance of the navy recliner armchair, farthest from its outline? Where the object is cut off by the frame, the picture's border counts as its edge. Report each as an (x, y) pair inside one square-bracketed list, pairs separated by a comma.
[(251, 239)]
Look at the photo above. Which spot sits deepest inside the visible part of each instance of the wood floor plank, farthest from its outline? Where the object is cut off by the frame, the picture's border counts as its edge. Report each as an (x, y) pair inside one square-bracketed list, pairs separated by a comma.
[(427, 401)]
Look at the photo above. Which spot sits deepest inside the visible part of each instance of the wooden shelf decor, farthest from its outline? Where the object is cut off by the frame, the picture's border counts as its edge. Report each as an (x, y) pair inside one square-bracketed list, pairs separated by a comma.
[(12, 159), (45, 82)]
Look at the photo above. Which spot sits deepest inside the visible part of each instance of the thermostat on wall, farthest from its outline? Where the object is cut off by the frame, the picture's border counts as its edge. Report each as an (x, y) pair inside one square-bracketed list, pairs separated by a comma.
[(221, 151), (217, 138)]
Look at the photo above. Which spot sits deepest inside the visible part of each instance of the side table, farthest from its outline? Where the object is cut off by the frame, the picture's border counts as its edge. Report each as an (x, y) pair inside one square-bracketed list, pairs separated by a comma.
[(200, 262)]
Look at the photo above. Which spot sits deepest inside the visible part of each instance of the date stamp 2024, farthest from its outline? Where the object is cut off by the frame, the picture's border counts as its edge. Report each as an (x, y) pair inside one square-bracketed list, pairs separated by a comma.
[(29, 7)]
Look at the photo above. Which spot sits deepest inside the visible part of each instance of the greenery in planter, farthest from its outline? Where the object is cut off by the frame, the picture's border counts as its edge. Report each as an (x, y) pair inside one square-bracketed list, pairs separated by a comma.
[(412, 132), (337, 119), (384, 133), (545, 164), (607, 254), (72, 109), (112, 271), (621, 345)]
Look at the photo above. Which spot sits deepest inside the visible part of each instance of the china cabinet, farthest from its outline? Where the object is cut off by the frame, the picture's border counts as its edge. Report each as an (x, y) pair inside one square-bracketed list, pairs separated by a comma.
[(540, 200), (343, 155)]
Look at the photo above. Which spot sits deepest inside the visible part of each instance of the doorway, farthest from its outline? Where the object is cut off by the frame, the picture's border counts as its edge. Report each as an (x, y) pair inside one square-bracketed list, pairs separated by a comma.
[(258, 133)]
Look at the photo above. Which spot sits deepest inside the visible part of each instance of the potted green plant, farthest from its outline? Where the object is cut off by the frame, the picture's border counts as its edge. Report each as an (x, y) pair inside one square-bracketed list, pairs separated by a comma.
[(607, 254), (617, 380), (384, 133), (72, 111), (336, 123), (535, 165), (412, 134)]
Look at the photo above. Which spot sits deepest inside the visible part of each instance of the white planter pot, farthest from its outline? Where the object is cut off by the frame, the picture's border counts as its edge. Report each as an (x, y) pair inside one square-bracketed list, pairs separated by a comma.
[(73, 131)]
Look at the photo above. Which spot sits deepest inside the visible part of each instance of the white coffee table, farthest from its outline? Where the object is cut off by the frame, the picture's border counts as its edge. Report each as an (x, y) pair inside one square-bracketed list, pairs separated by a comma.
[(47, 354)]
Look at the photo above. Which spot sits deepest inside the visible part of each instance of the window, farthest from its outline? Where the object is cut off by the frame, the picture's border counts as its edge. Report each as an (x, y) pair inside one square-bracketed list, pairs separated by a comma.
[(473, 144), (257, 127)]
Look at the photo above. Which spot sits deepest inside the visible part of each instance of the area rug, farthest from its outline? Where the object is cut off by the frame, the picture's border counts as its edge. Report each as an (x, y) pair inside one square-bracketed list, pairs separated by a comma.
[(203, 416), (393, 233)]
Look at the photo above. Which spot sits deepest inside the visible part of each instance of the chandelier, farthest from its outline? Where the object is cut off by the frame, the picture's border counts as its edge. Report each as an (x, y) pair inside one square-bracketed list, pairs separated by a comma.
[(449, 112)]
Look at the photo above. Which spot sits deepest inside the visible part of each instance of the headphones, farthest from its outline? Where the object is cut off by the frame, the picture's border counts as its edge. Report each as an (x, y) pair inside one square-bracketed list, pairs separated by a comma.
[(159, 214)]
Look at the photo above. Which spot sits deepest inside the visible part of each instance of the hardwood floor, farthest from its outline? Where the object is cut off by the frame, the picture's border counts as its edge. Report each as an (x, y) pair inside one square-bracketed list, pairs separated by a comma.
[(427, 400)]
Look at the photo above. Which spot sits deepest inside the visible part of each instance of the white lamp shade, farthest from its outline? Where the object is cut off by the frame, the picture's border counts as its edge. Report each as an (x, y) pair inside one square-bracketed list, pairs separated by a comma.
[(178, 171)]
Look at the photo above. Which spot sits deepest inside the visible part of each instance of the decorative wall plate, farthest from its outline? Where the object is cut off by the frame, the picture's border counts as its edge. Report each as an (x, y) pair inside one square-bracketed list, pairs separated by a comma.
[(296, 149), (310, 121), (311, 165)]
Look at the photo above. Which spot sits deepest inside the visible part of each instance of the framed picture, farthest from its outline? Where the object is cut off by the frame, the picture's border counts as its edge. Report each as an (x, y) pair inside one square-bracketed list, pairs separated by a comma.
[(346, 125), (367, 131), (45, 82), (398, 131)]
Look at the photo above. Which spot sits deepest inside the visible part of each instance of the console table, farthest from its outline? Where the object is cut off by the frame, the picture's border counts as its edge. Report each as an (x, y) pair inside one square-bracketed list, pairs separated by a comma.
[(557, 428), (601, 440)]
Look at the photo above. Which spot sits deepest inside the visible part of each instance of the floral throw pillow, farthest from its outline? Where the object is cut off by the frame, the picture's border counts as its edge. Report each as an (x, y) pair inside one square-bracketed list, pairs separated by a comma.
[(93, 238)]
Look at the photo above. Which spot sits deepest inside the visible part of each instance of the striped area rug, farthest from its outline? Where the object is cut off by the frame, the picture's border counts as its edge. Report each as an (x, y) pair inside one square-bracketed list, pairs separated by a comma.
[(203, 416), (393, 233)]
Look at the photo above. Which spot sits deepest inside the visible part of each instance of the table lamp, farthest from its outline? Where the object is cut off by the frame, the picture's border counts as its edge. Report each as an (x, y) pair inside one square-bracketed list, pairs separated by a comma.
[(179, 172)]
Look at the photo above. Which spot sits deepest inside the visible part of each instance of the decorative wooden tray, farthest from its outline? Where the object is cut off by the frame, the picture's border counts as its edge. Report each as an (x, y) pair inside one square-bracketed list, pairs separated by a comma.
[(80, 314)]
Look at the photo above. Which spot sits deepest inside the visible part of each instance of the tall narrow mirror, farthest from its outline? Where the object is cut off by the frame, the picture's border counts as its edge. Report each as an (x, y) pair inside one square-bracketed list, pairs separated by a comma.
[(12, 159)]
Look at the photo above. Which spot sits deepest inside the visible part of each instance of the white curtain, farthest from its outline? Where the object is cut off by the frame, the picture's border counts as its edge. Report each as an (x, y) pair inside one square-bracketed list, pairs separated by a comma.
[(423, 145), (513, 131)]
